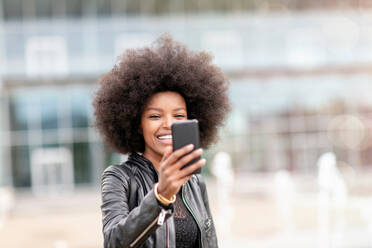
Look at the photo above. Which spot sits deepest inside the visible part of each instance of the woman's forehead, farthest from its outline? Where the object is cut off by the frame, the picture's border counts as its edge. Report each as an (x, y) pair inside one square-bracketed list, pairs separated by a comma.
[(168, 99)]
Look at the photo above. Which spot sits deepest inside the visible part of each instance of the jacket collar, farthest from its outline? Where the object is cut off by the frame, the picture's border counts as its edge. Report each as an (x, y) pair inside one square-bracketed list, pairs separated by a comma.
[(142, 163)]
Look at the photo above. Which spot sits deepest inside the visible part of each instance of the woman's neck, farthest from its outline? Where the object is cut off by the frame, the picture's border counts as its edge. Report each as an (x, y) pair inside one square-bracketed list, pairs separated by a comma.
[(154, 159)]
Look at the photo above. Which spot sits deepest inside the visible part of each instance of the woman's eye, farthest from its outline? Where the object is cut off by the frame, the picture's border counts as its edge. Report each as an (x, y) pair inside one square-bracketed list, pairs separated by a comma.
[(179, 116), (154, 116)]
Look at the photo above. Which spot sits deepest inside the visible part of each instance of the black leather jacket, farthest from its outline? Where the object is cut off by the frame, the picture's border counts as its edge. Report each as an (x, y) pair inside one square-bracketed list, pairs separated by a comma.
[(149, 224)]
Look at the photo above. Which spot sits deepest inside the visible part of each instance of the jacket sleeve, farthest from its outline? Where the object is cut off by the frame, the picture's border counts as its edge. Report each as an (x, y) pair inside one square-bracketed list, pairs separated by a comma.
[(122, 228), (212, 235)]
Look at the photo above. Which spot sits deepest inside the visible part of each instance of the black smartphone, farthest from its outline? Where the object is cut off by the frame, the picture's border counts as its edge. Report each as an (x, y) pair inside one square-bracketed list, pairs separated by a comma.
[(185, 133)]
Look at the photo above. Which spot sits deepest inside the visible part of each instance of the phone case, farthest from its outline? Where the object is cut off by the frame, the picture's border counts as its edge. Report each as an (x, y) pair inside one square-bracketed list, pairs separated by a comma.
[(184, 133)]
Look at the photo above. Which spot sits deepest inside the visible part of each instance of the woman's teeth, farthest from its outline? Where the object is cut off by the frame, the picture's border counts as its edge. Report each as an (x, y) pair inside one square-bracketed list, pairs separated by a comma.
[(164, 137)]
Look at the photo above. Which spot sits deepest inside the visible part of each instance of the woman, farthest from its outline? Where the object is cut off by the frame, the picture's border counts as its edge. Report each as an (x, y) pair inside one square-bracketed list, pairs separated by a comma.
[(150, 200)]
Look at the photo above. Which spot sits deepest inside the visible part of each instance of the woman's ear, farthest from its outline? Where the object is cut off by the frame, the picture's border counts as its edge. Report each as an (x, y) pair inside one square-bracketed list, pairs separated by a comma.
[(139, 130)]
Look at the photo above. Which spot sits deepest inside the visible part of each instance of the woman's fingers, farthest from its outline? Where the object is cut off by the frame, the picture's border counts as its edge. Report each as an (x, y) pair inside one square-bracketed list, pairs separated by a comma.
[(167, 153), (176, 155), (187, 171), (185, 179), (171, 169), (170, 183), (171, 176), (185, 159)]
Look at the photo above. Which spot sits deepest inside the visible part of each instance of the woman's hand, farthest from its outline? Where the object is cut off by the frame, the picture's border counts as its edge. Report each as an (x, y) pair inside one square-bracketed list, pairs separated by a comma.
[(171, 176)]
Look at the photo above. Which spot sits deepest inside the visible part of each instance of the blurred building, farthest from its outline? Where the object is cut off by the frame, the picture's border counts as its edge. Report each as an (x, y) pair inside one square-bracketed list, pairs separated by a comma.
[(300, 78)]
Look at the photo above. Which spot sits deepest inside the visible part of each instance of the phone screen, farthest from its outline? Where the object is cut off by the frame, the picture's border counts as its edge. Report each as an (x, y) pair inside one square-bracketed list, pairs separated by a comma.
[(185, 133)]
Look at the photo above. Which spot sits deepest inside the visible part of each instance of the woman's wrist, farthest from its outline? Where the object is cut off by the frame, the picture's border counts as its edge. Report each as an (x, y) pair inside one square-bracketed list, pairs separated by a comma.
[(163, 200)]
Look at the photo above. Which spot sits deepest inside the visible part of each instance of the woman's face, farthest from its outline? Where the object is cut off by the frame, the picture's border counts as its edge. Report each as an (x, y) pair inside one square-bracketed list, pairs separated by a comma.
[(161, 111)]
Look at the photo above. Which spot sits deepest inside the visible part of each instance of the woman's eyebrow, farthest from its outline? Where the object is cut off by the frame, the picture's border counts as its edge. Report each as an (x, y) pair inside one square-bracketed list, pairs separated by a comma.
[(161, 110), (156, 109), (181, 108)]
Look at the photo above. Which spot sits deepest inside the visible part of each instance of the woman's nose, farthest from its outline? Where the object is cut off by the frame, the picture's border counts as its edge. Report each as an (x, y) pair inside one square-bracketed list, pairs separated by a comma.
[(168, 122)]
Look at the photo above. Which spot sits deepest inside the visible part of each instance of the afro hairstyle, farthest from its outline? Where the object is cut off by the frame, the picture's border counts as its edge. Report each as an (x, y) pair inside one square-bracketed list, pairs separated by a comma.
[(166, 65)]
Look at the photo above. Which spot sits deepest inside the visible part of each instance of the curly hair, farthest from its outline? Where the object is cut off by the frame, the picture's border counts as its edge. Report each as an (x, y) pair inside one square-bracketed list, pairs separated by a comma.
[(167, 65)]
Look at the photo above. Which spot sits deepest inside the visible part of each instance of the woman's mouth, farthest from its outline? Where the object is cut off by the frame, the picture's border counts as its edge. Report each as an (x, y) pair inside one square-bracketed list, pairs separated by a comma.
[(165, 139)]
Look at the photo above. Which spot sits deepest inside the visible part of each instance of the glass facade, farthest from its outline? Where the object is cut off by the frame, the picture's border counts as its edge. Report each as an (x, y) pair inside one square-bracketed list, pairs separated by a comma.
[(52, 117), (289, 122), (287, 95), (273, 125)]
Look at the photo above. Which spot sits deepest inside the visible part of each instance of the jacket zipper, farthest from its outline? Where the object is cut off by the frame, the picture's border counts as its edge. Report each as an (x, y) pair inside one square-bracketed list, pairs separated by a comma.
[(193, 215), (159, 220), (167, 234)]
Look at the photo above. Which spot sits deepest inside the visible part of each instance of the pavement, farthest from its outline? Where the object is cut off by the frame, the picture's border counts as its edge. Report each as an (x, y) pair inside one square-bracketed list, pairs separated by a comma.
[(244, 218)]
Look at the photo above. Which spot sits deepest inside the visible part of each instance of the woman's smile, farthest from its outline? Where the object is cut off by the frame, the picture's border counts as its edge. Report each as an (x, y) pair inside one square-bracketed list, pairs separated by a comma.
[(165, 139)]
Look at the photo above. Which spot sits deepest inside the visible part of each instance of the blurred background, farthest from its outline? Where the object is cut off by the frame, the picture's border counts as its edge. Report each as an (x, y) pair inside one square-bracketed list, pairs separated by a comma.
[(293, 166)]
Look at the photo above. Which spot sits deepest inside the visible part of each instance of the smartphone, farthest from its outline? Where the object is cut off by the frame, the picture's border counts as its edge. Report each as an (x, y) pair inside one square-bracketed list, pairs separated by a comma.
[(185, 133)]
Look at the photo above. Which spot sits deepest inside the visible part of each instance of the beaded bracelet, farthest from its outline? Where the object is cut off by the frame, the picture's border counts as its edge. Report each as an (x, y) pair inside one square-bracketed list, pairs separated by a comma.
[(161, 198)]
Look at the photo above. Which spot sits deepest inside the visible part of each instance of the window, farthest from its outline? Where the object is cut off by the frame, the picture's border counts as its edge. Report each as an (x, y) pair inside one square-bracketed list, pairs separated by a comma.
[(21, 166), (74, 8), (50, 117), (12, 9), (82, 164), (43, 8)]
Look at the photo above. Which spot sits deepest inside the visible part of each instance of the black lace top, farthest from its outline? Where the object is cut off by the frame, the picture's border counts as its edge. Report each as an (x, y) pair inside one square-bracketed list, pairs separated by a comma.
[(187, 233)]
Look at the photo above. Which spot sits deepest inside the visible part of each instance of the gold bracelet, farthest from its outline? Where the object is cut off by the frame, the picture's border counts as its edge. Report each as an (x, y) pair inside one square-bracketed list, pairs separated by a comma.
[(161, 198)]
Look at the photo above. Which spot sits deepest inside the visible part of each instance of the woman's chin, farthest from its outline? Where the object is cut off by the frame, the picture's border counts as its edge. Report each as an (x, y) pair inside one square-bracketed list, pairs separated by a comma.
[(164, 147)]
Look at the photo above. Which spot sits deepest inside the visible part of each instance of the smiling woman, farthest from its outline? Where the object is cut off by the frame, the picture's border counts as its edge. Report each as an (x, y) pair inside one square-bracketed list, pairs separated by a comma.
[(152, 200)]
